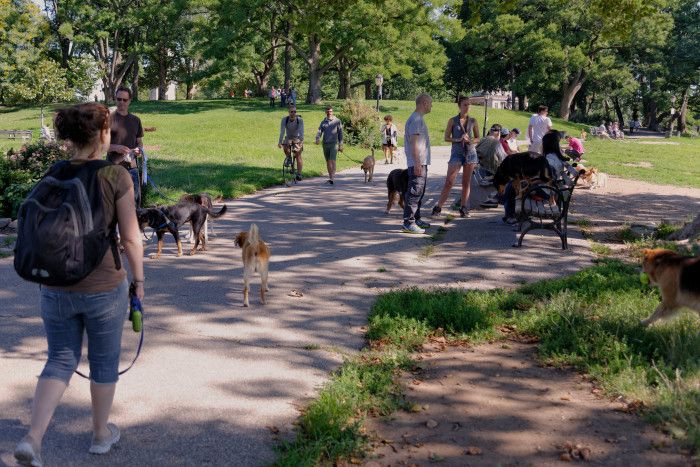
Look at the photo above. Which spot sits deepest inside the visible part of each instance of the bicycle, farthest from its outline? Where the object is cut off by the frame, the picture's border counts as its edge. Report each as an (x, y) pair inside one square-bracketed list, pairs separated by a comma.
[(289, 166)]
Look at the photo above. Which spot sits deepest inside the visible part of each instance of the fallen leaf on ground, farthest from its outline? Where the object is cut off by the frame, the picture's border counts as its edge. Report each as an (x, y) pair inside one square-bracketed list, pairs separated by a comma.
[(431, 423), (436, 457), (295, 293), (473, 451), (273, 429)]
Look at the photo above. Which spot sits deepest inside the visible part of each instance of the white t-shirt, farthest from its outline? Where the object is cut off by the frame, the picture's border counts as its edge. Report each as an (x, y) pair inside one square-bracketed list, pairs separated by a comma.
[(415, 125), (540, 126)]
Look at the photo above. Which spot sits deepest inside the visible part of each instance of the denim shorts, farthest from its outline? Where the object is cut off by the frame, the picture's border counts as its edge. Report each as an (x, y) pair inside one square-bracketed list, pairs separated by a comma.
[(67, 315), (463, 158)]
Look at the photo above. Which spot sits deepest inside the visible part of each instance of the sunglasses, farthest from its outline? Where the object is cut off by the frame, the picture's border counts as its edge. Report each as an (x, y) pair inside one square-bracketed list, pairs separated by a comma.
[(119, 99)]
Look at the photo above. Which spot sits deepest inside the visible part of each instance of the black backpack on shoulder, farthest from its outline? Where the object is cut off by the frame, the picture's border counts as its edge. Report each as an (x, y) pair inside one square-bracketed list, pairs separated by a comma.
[(62, 233)]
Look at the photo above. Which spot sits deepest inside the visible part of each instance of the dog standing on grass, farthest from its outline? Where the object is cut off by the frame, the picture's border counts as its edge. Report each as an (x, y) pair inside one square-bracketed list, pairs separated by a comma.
[(368, 167), (678, 278), (256, 258)]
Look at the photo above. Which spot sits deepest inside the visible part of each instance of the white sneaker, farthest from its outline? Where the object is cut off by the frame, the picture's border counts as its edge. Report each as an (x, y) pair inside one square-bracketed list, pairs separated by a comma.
[(103, 447), (26, 455)]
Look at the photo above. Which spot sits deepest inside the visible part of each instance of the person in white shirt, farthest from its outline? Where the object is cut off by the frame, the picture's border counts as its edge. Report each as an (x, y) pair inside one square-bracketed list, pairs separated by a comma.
[(540, 124)]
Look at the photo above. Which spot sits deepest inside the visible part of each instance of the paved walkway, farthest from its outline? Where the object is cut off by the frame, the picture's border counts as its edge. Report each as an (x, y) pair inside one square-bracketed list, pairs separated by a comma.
[(214, 375)]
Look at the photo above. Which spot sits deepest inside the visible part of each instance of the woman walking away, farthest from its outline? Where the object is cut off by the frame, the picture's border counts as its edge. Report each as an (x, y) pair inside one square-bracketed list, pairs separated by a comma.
[(389, 136), (463, 132), (97, 304)]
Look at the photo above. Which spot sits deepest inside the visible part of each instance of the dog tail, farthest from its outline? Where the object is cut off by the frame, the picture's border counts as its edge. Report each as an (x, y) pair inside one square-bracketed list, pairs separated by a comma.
[(216, 214), (253, 236)]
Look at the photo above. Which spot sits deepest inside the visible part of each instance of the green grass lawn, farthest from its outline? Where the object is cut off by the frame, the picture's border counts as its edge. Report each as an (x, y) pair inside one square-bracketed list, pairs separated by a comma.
[(589, 321), (229, 147)]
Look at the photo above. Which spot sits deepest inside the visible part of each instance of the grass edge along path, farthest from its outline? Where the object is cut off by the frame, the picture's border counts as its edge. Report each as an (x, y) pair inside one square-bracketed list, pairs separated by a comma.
[(589, 321)]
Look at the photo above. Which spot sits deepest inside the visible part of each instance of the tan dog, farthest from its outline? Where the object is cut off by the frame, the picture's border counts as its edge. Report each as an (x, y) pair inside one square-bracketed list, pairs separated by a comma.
[(678, 278), (256, 257), (368, 167)]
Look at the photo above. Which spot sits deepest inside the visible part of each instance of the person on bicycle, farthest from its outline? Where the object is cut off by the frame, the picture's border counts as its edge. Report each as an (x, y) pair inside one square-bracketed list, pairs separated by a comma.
[(292, 137)]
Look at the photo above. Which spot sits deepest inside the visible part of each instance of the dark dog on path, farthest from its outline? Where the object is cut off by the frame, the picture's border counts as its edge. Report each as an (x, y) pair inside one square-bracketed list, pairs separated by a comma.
[(205, 200), (522, 169), (169, 218), (396, 183)]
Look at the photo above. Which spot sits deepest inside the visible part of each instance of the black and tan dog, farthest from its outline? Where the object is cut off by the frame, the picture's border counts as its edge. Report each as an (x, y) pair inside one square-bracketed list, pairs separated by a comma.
[(678, 278), (522, 169), (396, 183), (170, 218), (205, 200), (256, 258)]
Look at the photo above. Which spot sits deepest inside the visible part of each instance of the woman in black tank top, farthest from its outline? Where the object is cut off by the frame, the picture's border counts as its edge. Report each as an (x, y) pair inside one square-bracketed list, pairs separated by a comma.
[(463, 132)]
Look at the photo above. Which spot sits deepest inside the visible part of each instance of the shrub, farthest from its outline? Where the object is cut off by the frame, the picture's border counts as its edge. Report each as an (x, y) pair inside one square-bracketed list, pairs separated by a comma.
[(361, 124), (20, 170)]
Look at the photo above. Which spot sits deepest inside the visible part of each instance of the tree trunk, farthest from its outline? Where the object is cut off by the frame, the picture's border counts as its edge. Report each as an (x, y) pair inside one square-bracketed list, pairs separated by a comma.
[(162, 72), (287, 58), (569, 91), (618, 111), (683, 112), (190, 90), (313, 96), (690, 230), (652, 119), (135, 81), (368, 90), (344, 76)]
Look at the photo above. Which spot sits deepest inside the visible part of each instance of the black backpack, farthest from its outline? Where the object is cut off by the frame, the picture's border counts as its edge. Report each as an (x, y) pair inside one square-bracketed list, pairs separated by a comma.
[(62, 233)]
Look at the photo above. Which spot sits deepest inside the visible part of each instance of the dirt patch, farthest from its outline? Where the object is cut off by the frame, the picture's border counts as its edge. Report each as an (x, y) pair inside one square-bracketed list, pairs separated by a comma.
[(152, 148), (641, 165), (624, 202), (495, 405)]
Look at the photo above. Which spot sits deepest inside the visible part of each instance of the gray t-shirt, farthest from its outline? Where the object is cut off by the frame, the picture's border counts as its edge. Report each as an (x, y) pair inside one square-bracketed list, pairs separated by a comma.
[(415, 125), (291, 130), (332, 130)]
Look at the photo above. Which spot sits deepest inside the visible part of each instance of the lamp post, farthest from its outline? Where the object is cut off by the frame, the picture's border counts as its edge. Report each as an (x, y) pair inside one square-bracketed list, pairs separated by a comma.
[(673, 111), (379, 81), (486, 111)]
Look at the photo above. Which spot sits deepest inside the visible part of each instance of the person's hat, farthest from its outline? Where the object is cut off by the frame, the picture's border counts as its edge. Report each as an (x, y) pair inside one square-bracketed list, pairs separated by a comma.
[(516, 131), (495, 128), (504, 131)]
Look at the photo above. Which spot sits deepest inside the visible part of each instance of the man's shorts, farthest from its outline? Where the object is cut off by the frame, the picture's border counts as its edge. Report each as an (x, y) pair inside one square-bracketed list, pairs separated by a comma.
[(330, 151), (293, 146), (464, 158)]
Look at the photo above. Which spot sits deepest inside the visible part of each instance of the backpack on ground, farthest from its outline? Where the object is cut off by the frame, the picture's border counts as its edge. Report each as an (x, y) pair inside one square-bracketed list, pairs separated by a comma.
[(62, 233)]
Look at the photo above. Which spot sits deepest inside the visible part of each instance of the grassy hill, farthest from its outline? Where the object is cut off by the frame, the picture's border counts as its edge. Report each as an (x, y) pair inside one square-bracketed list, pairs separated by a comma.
[(229, 147)]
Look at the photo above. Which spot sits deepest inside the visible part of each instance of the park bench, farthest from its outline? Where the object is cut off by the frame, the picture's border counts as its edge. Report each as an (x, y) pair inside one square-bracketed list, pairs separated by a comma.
[(25, 135), (47, 134), (546, 206)]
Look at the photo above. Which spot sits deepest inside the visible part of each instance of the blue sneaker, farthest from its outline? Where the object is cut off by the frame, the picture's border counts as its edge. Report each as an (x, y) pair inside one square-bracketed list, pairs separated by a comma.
[(412, 229), (422, 224)]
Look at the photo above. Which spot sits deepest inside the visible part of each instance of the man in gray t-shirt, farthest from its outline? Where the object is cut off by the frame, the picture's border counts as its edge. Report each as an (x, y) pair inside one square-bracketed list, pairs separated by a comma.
[(417, 147), (331, 129), (292, 137)]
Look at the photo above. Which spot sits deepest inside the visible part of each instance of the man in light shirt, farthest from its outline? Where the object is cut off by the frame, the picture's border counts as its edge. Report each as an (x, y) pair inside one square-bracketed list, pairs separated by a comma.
[(417, 148), (540, 124)]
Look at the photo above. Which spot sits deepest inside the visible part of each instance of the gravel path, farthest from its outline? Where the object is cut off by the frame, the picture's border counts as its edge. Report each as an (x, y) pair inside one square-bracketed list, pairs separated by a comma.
[(214, 375)]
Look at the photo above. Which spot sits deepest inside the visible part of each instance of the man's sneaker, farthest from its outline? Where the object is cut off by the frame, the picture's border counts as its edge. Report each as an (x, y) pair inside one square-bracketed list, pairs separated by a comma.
[(510, 220), (422, 224), (412, 229), (330, 182), (436, 211), (298, 177), (490, 203), (464, 212)]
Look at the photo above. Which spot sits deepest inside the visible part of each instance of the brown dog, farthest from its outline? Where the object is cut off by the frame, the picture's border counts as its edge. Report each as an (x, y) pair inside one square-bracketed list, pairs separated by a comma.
[(678, 278), (256, 258), (368, 167)]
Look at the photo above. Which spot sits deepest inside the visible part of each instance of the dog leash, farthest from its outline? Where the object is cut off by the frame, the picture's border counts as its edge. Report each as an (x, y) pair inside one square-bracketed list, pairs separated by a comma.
[(136, 318), (350, 158)]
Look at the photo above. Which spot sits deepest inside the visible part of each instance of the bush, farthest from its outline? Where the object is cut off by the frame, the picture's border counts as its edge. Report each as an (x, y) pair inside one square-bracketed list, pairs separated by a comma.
[(360, 124), (20, 170)]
